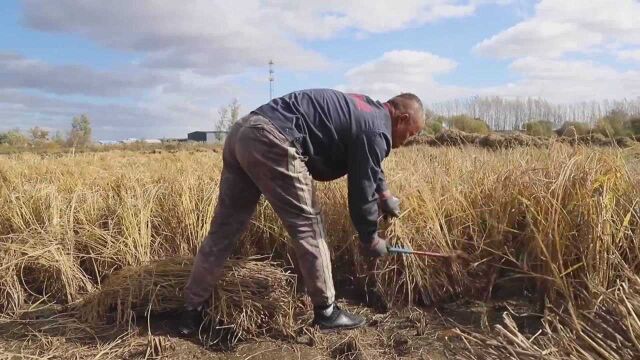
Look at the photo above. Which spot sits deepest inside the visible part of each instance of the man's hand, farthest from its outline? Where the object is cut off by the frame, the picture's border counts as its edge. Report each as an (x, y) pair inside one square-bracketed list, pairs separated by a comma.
[(375, 249), (388, 204)]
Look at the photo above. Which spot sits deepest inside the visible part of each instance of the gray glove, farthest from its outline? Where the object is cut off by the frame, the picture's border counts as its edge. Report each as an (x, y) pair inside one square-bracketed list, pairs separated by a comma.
[(390, 206), (375, 249)]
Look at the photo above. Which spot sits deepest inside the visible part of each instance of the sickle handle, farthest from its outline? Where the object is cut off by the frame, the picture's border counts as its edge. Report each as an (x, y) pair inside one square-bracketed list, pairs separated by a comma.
[(401, 250)]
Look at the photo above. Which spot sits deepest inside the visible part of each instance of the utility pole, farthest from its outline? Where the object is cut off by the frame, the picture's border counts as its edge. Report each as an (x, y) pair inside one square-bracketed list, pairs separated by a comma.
[(271, 79)]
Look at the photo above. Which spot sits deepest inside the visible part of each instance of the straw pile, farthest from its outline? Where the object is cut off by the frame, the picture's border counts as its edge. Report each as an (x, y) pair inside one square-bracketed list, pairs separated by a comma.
[(495, 141), (597, 139), (254, 297), (428, 140), (452, 137)]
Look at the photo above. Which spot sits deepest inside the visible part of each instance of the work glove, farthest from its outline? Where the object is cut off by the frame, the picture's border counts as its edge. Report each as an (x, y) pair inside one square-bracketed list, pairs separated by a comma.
[(374, 249), (389, 206)]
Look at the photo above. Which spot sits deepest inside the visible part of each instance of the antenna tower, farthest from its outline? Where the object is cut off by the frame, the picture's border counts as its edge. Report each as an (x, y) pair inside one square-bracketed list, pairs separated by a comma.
[(271, 79)]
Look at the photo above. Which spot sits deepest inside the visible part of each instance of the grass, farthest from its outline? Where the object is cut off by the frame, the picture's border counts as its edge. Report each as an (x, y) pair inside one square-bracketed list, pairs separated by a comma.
[(563, 219)]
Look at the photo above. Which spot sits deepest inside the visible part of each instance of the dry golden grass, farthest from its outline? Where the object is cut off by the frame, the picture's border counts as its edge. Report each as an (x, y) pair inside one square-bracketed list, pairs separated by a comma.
[(563, 219)]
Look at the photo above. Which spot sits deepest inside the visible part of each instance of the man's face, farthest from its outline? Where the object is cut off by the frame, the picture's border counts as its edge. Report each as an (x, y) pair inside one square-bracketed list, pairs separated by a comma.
[(404, 127)]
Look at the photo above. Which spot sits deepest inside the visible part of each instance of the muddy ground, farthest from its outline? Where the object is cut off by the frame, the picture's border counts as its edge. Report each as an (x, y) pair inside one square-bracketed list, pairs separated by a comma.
[(428, 332)]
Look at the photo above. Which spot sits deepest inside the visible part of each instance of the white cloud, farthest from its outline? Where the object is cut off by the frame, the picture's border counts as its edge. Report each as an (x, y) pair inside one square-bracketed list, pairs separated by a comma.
[(615, 19), (212, 37), (382, 16), (220, 37), (548, 69), (544, 48), (133, 102), (184, 102), (568, 81), (411, 63), (562, 26), (553, 79), (403, 71), (629, 55), (191, 57), (16, 71), (538, 38)]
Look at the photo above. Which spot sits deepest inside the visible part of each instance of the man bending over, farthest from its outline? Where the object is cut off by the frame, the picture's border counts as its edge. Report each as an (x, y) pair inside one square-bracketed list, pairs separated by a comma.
[(277, 151)]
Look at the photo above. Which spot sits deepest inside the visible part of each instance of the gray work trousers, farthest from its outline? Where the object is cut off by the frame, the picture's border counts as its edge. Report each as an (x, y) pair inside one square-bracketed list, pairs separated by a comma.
[(258, 159)]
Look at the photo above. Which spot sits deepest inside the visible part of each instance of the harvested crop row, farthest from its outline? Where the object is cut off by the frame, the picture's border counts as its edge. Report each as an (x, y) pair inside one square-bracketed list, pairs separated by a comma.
[(452, 137)]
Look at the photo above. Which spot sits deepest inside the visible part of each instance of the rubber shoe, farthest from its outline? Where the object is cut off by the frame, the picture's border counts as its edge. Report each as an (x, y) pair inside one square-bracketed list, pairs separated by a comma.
[(190, 321), (337, 320)]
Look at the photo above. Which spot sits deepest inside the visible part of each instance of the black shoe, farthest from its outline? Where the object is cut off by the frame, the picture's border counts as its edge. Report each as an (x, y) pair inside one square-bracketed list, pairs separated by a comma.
[(337, 320), (190, 321)]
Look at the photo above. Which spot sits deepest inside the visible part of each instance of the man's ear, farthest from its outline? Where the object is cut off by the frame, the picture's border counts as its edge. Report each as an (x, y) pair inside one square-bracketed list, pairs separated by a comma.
[(404, 118)]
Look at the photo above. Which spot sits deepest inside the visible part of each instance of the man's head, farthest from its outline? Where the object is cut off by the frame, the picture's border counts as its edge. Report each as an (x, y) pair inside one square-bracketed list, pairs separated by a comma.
[(407, 118)]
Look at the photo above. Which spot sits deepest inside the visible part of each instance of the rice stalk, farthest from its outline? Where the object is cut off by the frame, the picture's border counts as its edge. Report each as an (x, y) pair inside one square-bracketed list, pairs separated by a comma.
[(564, 219)]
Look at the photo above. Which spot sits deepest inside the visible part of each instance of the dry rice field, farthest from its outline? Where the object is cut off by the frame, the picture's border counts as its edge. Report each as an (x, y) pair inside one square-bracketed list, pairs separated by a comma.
[(95, 249)]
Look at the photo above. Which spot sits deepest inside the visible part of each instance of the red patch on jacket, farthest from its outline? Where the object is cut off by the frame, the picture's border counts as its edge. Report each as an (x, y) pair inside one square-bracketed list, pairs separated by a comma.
[(361, 103)]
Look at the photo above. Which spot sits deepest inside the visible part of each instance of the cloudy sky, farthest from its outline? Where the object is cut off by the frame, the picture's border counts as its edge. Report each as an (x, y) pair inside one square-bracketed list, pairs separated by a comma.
[(160, 68)]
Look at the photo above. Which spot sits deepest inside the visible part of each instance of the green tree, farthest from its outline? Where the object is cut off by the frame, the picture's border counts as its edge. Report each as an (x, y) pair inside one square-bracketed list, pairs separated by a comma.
[(80, 134), (14, 138), (574, 128), (58, 138), (539, 128), (434, 124), (634, 125), (38, 135), (468, 124), (614, 124)]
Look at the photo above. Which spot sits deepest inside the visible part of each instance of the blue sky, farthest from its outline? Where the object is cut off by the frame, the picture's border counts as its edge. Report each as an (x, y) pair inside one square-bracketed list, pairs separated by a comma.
[(161, 69)]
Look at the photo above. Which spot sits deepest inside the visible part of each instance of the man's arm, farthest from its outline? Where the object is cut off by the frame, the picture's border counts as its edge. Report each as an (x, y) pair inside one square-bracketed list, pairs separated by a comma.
[(389, 204), (365, 170), (381, 186)]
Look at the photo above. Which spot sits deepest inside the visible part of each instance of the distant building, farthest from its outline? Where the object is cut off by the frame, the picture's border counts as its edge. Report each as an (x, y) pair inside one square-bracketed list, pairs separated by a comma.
[(210, 137), (170, 140), (129, 141)]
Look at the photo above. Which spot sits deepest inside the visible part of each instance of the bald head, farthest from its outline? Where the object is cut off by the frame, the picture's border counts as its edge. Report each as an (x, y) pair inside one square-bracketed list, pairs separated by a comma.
[(407, 117)]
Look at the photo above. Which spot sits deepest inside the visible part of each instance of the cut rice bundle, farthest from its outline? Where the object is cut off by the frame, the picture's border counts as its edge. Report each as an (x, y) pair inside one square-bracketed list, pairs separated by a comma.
[(253, 298)]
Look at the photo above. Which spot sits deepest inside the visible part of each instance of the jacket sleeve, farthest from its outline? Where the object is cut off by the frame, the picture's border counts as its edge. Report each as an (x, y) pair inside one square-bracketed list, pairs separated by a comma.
[(381, 186), (366, 153)]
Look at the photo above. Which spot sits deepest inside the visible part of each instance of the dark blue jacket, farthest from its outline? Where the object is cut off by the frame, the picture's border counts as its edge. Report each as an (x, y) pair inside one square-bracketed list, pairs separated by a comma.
[(339, 134)]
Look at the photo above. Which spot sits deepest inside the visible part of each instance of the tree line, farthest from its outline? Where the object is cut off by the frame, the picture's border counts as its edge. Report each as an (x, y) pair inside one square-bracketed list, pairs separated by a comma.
[(80, 133), (615, 123), (78, 136), (476, 115), (512, 114)]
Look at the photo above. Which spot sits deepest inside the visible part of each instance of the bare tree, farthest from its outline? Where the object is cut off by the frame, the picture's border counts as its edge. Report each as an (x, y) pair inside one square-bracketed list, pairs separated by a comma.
[(508, 114), (38, 135), (227, 116)]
